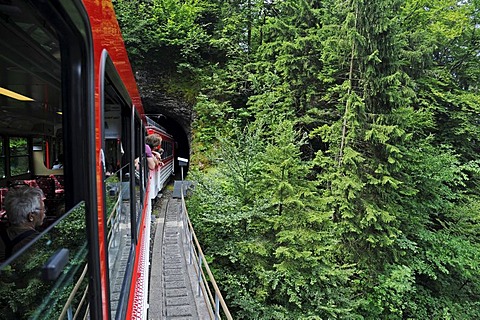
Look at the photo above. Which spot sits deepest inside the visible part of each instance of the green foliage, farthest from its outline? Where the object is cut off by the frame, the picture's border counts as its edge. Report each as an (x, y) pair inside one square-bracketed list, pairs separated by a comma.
[(171, 35), (341, 142), (276, 251), (150, 26)]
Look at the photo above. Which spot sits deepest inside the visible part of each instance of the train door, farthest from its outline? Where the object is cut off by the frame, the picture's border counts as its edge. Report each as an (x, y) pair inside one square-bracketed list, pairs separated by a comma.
[(47, 115)]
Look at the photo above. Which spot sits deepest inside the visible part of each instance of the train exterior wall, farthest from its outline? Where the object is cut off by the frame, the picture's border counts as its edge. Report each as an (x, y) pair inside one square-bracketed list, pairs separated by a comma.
[(107, 40)]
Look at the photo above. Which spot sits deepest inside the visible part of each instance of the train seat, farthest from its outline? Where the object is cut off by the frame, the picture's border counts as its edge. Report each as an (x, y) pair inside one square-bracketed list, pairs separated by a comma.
[(47, 185), (31, 183), (54, 199), (58, 184)]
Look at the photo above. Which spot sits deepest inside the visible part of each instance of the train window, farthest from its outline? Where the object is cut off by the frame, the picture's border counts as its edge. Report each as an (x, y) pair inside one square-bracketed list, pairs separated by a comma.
[(119, 230), (42, 102), (140, 188), (31, 83), (2, 158), (113, 138), (113, 156), (32, 287), (167, 149), (53, 146), (117, 189), (122, 211), (19, 156)]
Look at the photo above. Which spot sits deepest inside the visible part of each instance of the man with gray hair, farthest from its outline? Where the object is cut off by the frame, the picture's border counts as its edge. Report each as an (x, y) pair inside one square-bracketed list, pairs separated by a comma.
[(25, 212)]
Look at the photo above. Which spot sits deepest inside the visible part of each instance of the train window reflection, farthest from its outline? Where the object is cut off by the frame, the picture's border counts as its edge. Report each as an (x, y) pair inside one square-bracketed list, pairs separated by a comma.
[(119, 230), (23, 278)]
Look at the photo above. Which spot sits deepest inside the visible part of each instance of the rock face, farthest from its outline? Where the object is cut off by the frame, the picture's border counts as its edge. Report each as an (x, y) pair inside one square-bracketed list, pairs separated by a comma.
[(172, 113), (156, 101), (160, 103)]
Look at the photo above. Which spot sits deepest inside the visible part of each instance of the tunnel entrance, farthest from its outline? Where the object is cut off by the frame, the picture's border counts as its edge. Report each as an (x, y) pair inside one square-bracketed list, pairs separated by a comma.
[(182, 142)]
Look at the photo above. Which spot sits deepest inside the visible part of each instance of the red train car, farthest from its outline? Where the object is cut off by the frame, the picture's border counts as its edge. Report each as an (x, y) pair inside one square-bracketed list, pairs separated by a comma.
[(72, 124), (167, 169)]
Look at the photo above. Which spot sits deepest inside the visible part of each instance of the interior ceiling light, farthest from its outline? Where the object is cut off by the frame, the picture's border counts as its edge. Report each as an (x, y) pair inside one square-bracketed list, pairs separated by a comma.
[(14, 95)]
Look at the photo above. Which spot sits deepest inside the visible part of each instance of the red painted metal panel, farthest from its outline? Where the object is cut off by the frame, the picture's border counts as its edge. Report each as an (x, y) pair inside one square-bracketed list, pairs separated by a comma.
[(107, 36)]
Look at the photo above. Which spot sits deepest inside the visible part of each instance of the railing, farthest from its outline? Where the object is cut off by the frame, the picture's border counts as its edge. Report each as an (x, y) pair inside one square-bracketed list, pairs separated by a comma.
[(205, 278)]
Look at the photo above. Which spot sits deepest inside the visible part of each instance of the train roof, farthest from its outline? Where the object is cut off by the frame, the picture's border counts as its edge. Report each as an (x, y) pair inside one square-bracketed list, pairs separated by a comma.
[(152, 126)]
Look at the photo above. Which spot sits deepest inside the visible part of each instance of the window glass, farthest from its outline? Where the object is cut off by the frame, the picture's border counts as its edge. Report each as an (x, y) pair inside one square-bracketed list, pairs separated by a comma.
[(113, 155), (31, 67), (2, 159), (143, 176), (119, 230), (18, 146), (117, 191), (165, 149), (168, 149), (19, 165), (28, 290), (32, 141), (19, 160)]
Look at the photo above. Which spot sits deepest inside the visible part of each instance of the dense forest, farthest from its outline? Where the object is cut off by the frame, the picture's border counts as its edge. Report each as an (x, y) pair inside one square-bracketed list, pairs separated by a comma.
[(335, 149)]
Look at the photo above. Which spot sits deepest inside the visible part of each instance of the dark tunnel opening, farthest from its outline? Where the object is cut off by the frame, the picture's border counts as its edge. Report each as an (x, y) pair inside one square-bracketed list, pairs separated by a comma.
[(182, 147)]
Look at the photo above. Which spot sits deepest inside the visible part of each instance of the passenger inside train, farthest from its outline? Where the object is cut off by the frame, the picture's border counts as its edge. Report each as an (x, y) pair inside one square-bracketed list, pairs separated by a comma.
[(26, 213), (58, 163)]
